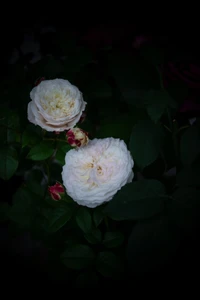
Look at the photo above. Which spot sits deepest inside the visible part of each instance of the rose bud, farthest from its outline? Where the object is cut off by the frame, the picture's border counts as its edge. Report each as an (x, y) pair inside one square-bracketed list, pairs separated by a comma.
[(77, 137), (56, 191)]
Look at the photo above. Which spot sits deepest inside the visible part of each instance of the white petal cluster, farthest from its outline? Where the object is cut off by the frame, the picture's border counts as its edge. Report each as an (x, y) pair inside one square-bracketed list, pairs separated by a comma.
[(94, 173), (56, 105)]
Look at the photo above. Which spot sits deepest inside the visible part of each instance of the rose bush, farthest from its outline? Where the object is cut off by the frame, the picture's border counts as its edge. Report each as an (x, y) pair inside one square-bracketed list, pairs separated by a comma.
[(93, 174), (115, 197), (56, 105)]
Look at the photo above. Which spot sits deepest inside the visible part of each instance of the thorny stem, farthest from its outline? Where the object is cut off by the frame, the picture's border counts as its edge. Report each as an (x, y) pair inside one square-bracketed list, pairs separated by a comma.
[(181, 128), (167, 128)]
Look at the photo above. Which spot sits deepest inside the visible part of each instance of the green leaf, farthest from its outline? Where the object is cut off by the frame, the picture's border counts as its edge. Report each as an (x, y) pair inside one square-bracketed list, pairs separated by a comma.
[(133, 76), (190, 146), (63, 148), (59, 217), (41, 151), (138, 200), (185, 208), (93, 237), (87, 279), (9, 126), (178, 90), (84, 219), (49, 67), (151, 245), (168, 152), (145, 143), (154, 55), (100, 90), (33, 182), (98, 216), (78, 256), (189, 176), (39, 228), (72, 239), (8, 162), (109, 265), (156, 102), (4, 211), (117, 127), (113, 239), (51, 202), (31, 135), (23, 210), (60, 157)]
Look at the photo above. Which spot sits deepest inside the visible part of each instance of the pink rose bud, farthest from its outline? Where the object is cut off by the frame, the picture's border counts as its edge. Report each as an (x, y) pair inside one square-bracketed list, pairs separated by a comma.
[(56, 191), (77, 137)]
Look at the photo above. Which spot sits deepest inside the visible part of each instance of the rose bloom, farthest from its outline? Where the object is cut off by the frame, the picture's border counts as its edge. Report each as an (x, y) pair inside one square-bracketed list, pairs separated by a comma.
[(77, 137), (94, 173), (56, 105), (56, 191)]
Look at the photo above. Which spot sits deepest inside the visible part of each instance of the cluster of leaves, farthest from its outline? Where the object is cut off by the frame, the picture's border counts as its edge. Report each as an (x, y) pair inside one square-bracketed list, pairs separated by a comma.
[(141, 228)]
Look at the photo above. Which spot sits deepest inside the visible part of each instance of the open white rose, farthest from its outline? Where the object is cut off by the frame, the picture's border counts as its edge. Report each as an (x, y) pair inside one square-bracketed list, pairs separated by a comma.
[(56, 105), (94, 173)]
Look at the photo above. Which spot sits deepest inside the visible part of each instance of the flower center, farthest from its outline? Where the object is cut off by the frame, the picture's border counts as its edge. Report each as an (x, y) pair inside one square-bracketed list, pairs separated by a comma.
[(93, 173), (58, 104), (99, 170), (88, 166)]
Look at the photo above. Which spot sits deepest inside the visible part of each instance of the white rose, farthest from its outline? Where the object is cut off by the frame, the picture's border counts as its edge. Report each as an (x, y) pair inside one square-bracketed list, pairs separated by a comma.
[(94, 173), (56, 105)]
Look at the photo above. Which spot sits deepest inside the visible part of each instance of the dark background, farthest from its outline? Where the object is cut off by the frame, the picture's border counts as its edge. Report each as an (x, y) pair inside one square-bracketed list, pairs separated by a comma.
[(23, 260)]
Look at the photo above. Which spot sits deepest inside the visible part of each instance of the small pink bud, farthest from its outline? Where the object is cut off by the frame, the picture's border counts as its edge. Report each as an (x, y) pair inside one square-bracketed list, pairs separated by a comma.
[(57, 132), (77, 137), (56, 191)]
